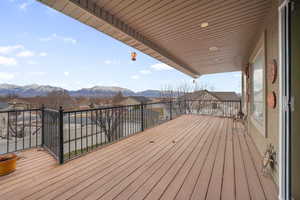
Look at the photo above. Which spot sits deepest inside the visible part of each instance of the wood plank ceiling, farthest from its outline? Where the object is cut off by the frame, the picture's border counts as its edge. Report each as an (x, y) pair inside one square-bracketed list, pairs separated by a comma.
[(170, 30)]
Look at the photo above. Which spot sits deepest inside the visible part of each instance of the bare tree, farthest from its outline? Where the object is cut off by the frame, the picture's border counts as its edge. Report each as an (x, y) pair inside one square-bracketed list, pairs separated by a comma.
[(117, 98), (20, 123), (109, 121), (186, 97), (59, 98)]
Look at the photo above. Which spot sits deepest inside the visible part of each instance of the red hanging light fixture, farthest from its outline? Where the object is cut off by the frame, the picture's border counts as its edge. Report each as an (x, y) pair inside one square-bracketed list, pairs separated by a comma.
[(133, 56)]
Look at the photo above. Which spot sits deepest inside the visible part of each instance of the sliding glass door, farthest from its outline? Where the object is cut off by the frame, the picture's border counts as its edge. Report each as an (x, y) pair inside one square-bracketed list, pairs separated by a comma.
[(285, 98), (290, 99), (295, 95)]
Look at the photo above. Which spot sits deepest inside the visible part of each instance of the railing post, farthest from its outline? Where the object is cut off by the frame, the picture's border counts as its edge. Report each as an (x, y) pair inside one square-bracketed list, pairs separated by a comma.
[(43, 124), (171, 110), (61, 135), (142, 117), (241, 111)]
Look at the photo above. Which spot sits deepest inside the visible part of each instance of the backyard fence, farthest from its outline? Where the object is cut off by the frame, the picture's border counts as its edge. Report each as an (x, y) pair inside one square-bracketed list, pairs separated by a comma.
[(70, 134)]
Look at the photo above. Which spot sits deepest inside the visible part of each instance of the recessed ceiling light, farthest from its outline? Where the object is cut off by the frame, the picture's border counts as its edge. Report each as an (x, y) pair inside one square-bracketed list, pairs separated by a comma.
[(204, 25), (213, 48)]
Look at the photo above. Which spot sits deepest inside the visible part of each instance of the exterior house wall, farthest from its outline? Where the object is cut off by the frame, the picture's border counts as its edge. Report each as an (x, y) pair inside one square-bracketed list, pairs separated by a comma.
[(270, 135), (129, 101), (207, 96)]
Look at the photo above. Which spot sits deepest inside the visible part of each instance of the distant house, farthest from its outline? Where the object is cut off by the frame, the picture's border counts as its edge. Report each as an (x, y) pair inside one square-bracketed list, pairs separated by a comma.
[(226, 96), (83, 103), (211, 95), (117, 98), (209, 102), (19, 104), (3, 105), (133, 100)]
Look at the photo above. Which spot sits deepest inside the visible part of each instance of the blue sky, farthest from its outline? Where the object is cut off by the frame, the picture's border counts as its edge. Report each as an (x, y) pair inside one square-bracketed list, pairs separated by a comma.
[(41, 46)]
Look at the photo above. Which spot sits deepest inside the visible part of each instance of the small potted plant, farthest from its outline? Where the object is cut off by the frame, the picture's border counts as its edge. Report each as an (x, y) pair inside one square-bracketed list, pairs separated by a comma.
[(7, 163)]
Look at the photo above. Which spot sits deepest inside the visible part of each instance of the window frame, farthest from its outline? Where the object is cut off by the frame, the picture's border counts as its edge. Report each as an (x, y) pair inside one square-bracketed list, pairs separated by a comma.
[(261, 46)]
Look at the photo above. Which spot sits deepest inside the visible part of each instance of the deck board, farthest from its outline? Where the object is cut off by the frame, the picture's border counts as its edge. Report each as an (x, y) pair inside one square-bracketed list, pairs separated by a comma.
[(192, 157), (215, 184), (255, 187), (228, 184), (202, 184)]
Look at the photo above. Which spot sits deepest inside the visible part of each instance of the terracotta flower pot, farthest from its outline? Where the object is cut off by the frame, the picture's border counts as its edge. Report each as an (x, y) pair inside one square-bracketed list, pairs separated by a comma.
[(8, 164)]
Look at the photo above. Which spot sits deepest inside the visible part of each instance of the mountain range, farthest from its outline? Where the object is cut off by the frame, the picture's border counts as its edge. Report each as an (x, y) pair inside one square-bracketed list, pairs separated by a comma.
[(97, 91)]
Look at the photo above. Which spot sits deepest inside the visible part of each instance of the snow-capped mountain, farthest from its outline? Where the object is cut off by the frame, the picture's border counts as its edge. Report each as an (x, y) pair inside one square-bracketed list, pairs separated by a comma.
[(97, 91)]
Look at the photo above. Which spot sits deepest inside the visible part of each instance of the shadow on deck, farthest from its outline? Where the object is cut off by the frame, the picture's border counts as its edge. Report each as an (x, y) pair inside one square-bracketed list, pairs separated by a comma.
[(191, 157)]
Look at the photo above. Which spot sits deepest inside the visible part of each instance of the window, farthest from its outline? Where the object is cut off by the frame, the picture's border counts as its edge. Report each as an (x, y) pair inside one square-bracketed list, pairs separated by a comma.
[(257, 89)]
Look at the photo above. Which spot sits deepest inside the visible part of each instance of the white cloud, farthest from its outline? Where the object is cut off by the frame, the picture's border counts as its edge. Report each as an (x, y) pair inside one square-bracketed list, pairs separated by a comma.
[(145, 72), (36, 73), (6, 76), (58, 37), (66, 73), (43, 54), (23, 6), (32, 62), (7, 61), (69, 40), (10, 49), (109, 62), (135, 77), (26, 54), (161, 67)]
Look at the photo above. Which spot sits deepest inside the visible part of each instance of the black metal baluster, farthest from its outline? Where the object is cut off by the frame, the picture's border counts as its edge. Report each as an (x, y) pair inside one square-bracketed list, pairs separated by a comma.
[(124, 121), (8, 123), (61, 135), (92, 128), (121, 122), (96, 123), (16, 135), (126, 124), (86, 132), (36, 128), (69, 134), (43, 125), (115, 121), (101, 133), (75, 119), (23, 122), (30, 129), (52, 139), (81, 150), (135, 121), (129, 120), (45, 129), (114, 118), (118, 123), (142, 117), (171, 110)]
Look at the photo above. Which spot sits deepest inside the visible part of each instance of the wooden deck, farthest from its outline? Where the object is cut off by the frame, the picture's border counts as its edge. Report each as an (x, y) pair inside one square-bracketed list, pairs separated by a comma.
[(191, 157)]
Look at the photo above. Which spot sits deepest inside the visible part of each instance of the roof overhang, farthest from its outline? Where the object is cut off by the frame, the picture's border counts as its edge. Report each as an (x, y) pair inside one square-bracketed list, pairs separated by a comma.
[(170, 31)]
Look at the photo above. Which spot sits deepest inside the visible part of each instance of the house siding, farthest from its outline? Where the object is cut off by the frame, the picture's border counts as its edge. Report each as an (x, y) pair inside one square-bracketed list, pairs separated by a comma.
[(271, 135), (129, 101)]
